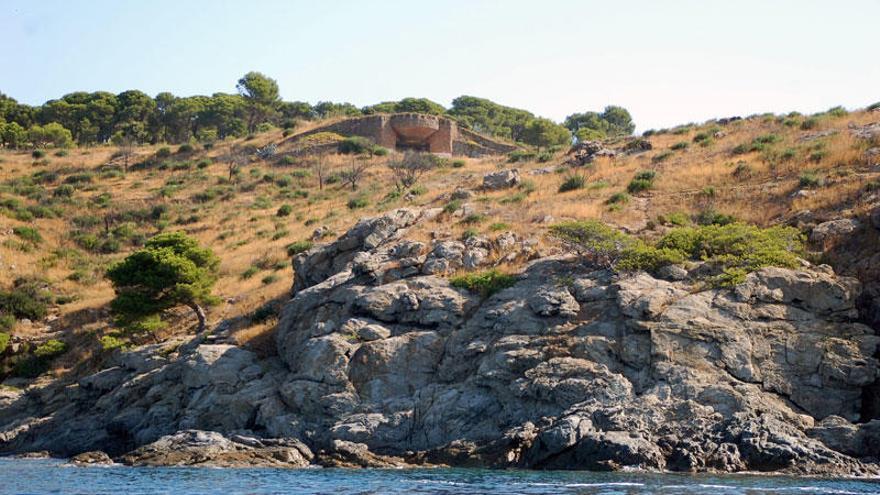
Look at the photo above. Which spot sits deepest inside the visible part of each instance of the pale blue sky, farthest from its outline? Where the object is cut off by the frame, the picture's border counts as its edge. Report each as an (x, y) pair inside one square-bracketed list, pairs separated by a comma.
[(668, 62)]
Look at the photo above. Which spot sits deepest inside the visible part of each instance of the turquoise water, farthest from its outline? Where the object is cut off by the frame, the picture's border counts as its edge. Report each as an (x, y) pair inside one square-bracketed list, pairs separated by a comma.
[(51, 476)]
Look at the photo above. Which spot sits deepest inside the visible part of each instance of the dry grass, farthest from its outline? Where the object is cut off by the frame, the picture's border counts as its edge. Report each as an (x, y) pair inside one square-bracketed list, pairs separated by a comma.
[(244, 230)]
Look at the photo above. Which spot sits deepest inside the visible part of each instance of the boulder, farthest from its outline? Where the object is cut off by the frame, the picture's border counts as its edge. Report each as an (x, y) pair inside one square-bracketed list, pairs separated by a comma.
[(827, 233), (212, 449), (91, 458), (503, 179)]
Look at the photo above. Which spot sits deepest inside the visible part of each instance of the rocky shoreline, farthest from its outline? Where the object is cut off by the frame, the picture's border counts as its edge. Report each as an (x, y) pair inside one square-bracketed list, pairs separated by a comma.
[(382, 363)]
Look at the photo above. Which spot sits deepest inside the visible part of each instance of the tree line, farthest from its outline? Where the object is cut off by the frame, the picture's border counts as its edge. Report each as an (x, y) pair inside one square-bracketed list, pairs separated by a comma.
[(100, 117)]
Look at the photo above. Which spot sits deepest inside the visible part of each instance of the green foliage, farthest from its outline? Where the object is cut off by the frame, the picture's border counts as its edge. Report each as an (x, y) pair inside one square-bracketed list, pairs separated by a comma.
[(112, 342), (499, 226), (29, 234), (356, 145), (544, 133), (735, 248), (270, 279), (810, 123), (297, 247), (572, 183), (284, 211), (452, 206), (458, 163), (7, 322), (4, 341), (680, 145), (50, 349), (488, 117), (614, 121), (37, 154), (485, 283), (517, 156), (171, 270), (250, 272), (809, 180), (473, 218), (417, 105), (710, 216), (662, 156), (642, 181), (618, 198), (358, 202)]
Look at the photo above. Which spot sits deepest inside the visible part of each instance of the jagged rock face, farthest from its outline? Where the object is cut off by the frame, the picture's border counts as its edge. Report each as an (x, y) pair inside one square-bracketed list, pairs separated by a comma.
[(502, 179), (568, 368)]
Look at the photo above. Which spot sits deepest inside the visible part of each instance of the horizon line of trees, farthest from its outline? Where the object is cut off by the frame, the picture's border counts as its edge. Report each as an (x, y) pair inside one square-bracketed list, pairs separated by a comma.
[(102, 117)]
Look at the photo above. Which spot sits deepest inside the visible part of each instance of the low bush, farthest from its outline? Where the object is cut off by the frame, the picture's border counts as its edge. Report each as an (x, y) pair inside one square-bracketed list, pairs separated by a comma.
[(358, 202), (521, 156), (618, 198), (163, 152), (458, 163), (662, 156), (50, 349), (736, 249), (572, 183), (710, 216), (28, 234), (4, 338), (810, 123), (809, 180), (284, 211), (298, 247), (679, 145), (37, 154), (485, 283), (185, 148), (642, 181), (356, 145)]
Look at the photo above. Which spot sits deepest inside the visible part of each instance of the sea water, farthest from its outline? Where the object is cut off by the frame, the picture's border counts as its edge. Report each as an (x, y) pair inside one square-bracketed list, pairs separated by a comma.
[(25, 476)]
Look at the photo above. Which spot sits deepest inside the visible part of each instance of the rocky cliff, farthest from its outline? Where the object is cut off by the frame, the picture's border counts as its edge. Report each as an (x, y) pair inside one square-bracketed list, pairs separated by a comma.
[(381, 362)]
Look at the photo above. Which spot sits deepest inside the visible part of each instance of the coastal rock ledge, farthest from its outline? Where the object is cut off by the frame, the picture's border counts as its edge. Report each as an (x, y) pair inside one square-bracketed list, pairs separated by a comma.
[(382, 363)]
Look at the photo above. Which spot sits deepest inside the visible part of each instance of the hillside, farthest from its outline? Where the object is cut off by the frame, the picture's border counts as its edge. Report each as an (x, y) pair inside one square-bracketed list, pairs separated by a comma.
[(70, 213)]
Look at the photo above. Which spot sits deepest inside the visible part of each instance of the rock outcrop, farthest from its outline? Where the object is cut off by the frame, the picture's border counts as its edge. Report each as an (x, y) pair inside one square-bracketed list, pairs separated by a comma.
[(381, 362)]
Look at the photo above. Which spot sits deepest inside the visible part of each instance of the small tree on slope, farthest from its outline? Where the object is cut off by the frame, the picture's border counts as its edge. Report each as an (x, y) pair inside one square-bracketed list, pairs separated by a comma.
[(171, 270)]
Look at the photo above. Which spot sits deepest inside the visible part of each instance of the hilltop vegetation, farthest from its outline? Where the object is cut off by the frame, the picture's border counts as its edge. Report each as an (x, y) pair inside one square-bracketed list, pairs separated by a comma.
[(232, 180), (100, 117)]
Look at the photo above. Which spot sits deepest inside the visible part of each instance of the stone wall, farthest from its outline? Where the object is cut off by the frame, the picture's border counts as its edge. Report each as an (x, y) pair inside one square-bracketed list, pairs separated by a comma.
[(415, 131)]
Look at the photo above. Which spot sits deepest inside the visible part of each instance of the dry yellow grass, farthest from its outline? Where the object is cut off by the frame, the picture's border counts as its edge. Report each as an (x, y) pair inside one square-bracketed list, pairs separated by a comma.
[(244, 230)]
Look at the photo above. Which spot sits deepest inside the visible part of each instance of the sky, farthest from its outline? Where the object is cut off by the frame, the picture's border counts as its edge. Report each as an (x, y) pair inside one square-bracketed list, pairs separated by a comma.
[(668, 62)]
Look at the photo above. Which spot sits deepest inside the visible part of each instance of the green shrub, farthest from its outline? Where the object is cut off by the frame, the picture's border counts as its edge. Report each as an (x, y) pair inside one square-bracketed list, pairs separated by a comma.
[(4, 339), (112, 342), (356, 145), (473, 218), (572, 183), (185, 148), (163, 152), (498, 226), (642, 181), (287, 160), (809, 180), (521, 156), (662, 156), (37, 154), (61, 153), (741, 149), (873, 106), (810, 123), (679, 145), (837, 111), (452, 206), (736, 249), (484, 283), (284, 211), (7, 321), (50, 349), (618, 198), (270, 279), (250, 272), (298, 247), (702, 137), (544, 156), (458, 163), (710, 216), (28, 234), (358, 202), (738, 246)]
